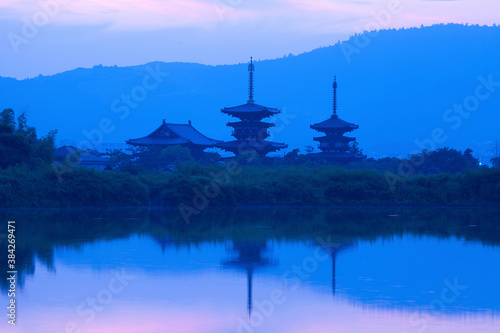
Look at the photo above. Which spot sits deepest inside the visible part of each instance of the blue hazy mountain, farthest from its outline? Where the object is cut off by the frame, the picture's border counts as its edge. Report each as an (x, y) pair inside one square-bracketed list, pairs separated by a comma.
[(398, 85)]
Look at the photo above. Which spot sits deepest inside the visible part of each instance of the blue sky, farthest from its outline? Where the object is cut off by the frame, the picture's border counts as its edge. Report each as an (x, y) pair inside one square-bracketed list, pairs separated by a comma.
[(51, 36)]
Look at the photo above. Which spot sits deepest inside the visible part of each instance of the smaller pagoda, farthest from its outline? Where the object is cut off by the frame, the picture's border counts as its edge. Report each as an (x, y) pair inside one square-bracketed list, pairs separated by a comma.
[(250, 131), (334, 145)]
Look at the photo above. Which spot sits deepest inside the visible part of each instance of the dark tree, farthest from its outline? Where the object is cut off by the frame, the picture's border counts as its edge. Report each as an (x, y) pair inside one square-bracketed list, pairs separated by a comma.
[(354, 148), (155, 158), (444, 160), (20, 144), (309, 149), (7, 122), (293, 155)]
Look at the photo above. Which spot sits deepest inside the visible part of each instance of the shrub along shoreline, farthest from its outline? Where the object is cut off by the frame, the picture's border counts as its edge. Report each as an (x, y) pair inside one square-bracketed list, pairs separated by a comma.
[(27, 178), (198, 186)]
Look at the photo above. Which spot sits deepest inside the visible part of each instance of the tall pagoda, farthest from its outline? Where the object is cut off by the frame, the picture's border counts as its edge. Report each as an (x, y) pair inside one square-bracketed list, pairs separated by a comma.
[(250, 131), (334, 145)]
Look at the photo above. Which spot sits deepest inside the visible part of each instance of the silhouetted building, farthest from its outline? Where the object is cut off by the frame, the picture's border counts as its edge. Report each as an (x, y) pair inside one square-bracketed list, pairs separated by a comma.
[(73, 156), (334, 145), (250, 131), (175, 134)]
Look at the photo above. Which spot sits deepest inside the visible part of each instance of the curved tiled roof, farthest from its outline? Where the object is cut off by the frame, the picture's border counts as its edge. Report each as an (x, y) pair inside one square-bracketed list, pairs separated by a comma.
[(174, 134), (252, 144), (329, 138), (250, 108), (250, 124), (334, 122)]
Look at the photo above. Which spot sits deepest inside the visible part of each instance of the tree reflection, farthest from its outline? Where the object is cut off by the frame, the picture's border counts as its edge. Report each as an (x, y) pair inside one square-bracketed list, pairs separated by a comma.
[(40, 232)]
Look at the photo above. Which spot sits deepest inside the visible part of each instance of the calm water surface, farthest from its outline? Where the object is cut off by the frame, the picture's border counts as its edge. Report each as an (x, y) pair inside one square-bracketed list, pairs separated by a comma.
[(256, 270)]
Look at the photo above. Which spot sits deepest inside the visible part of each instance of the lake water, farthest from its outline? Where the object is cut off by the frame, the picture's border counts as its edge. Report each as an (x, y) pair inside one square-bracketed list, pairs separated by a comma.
[(254, 270)]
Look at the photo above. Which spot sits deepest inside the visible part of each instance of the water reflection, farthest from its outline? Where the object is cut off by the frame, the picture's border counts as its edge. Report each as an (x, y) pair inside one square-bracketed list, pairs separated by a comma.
[(386, 273), (249, 257), (333, 249)]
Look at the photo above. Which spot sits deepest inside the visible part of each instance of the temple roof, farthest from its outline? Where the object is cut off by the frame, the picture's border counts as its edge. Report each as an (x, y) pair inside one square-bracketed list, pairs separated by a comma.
[(64, 151), (83, 156), (174, 134), (337, 138), (250, 108), (334, 122)]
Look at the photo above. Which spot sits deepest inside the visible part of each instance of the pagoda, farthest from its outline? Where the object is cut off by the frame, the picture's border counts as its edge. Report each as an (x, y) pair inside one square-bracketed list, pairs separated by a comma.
[(334, 145), (250, 132)]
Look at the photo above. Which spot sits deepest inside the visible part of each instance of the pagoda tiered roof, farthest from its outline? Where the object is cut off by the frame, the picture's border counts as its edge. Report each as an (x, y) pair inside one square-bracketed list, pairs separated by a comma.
[(337, 138), (258, 145), (334, 122), (174, 134), (250, 109), (250, 124)]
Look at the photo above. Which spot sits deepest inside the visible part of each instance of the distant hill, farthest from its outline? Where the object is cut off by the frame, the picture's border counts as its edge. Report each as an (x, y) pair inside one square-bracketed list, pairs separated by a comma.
[(396, 84)]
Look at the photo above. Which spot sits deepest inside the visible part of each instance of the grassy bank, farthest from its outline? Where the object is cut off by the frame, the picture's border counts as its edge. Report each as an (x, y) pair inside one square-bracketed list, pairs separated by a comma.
[(198, 186)]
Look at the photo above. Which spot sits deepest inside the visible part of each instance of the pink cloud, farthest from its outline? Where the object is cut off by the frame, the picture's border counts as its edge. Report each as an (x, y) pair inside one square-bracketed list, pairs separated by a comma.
[(289, 15), (127, 14)]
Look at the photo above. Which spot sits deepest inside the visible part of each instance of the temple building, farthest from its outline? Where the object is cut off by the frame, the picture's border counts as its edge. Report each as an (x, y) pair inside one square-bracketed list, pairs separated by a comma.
[(334, 145), (73, 156), (250, 131), (176, 134)]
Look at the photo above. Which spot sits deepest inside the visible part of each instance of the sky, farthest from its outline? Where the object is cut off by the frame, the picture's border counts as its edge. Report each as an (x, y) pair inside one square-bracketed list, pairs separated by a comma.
[(51, 36)]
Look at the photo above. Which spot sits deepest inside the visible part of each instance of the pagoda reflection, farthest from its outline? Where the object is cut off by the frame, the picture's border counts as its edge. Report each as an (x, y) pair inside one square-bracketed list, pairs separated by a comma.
[(248, 256), (333, 249)]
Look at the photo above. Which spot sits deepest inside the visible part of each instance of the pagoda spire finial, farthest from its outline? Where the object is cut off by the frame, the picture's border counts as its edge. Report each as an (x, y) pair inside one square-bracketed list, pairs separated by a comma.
[(251, 68), (335, 95)]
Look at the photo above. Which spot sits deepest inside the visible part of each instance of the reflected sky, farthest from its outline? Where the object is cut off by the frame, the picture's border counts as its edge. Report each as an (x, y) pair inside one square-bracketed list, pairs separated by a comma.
[(141, 283)]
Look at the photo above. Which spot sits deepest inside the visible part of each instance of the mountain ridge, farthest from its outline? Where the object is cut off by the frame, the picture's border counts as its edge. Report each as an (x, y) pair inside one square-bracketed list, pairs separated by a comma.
[(398, 88)]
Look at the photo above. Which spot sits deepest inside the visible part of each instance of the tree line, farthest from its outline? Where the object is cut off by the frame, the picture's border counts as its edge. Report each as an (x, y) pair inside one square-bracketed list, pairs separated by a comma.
[(27, 178)]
